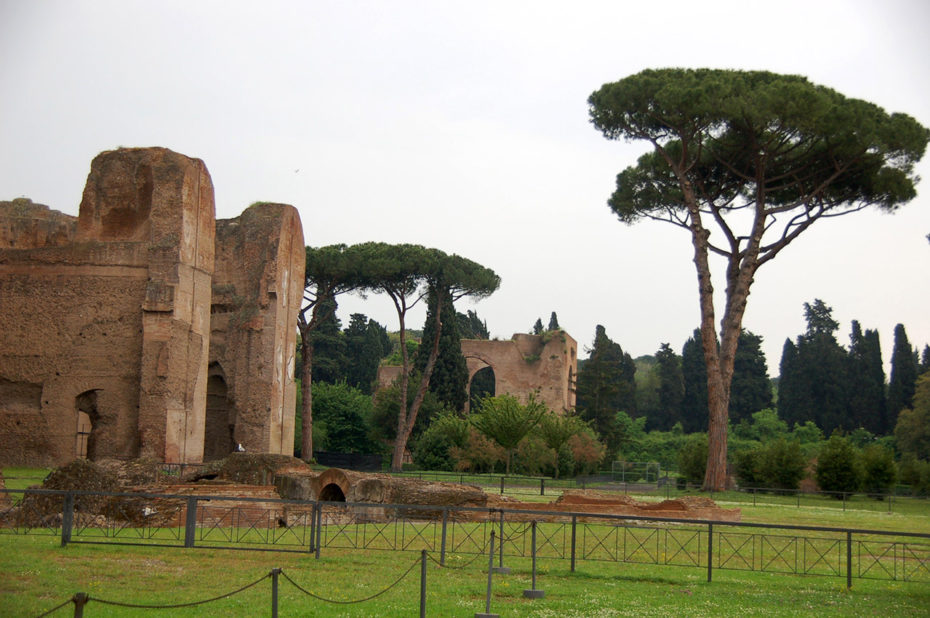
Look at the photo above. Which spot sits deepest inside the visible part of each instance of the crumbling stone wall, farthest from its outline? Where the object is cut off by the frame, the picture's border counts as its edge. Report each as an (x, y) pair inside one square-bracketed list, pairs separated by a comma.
[(105, 348), (257, 288), (544, 364)]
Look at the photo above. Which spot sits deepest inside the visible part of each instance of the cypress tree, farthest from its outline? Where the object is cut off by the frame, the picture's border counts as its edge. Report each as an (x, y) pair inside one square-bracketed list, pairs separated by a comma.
[(903, 376), (366, 343), (329, 353), (694, 374), (671, 389), (818, 384), (866, 381), (605, 386), (471, 326), (553, 322), (750, 390), (450, 374), (791, 408), (924, 360)]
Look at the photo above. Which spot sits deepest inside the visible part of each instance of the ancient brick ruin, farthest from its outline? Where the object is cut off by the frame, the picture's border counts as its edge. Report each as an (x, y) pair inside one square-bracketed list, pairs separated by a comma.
[(546, 365), (145, 327)]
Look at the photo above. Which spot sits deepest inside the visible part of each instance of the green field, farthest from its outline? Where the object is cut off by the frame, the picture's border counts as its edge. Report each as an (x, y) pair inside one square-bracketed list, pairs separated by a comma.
[(36, 575)]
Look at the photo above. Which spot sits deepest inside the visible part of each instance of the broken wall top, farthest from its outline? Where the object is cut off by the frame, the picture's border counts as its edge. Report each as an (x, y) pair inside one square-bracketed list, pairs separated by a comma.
[(153, 196), (27, 225)]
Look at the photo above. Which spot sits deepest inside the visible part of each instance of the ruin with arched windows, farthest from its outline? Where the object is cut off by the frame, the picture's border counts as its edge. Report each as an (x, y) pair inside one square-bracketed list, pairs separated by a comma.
[(145, 327), (544, 365)]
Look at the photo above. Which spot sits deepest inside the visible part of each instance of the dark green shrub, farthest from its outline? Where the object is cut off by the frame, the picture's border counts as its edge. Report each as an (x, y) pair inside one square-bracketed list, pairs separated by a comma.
[(746, 466), (916, 474), (783, 464), (879, 472), (779, 464), (344, 413), (692, 458), (432, 450), (838, 467)]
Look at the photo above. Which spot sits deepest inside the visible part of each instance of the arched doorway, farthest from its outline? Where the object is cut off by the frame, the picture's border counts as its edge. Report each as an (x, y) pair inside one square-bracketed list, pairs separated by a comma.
[(332, 493), (88, 420), (220, 422), (483, 384)]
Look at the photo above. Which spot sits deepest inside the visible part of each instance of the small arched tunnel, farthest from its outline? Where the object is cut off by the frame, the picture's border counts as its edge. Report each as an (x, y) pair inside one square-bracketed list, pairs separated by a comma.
[(332, 493)]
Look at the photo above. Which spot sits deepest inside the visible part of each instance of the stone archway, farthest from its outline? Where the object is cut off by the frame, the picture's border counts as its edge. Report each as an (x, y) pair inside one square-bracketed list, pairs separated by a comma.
[(332, 493), (220, 422), (542, 364), (482, 382), (88, 427)]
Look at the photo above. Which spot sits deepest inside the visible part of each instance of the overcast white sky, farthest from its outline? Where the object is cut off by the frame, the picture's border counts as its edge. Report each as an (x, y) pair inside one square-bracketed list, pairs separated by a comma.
[(463, 126)]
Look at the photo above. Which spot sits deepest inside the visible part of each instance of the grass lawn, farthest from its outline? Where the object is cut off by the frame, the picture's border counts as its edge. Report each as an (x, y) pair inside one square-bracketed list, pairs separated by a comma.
[(36, 575)]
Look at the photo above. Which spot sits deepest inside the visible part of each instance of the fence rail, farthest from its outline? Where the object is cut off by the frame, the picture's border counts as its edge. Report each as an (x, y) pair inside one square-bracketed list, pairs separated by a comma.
[(223, 522), (666, 487)]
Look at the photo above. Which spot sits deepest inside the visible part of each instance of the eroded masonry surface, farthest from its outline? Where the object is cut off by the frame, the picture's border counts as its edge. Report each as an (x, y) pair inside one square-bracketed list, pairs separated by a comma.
[(145, 327)]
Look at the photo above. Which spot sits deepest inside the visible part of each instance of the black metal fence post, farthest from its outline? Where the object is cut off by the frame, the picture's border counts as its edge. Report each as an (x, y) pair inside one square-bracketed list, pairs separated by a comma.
[(574, 525), (319, 529), (487, 599), (274, 592), (442, 546), (542, 487), (500, 564), (848, 559), (80, 600), (313, 526), (710, 552), (533, 593), (190, 522), (422, 583), (67, 518)]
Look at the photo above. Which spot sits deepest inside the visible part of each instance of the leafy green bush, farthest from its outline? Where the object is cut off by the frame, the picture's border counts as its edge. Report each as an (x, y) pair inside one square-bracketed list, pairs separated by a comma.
[(431, 451), (879, 472), (480, 453), (783, 464), (692, 459), (838, 466), (778, 464), (342, 418), (916, 474), (533, 457), (587, 452)]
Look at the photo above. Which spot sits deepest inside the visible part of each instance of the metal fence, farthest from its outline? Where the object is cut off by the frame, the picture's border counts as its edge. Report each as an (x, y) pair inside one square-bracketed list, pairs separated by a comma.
[(462, 533), (666, 488)]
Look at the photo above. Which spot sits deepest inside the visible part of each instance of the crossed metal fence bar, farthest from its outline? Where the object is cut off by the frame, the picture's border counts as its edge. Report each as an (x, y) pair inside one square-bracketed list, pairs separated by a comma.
[(309, 526)]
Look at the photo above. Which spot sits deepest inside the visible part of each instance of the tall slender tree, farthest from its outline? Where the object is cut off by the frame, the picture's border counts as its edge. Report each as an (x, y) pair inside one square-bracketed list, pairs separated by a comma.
[(606, 385), (791, 390), (329, 346), (553, 322), (671, 389), (773, 153), (407, 273), (866, 381), (450, 374), (367, 342), (330, 271), (903, 380), (816, 388), (694, 373), (751, 389)]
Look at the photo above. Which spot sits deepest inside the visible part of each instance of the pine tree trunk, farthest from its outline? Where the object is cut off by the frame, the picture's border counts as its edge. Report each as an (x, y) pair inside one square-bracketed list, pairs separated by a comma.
[(306, 402), (406, 419)]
